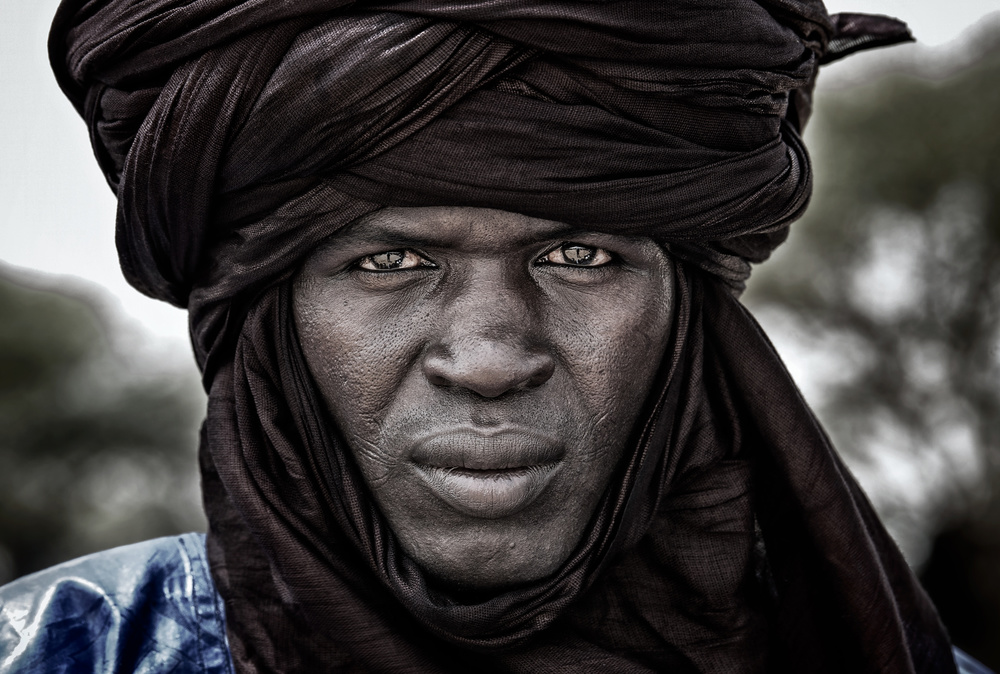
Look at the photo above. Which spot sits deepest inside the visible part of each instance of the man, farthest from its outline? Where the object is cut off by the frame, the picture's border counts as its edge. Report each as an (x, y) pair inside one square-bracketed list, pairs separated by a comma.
[(462, 280)]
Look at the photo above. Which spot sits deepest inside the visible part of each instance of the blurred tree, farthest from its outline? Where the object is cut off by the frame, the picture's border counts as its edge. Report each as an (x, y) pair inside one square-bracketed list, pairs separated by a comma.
[(94, 451), (892, 282)]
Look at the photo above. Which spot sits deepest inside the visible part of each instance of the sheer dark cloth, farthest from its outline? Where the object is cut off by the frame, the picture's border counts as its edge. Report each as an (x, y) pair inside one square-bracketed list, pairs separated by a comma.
[(237, 135)]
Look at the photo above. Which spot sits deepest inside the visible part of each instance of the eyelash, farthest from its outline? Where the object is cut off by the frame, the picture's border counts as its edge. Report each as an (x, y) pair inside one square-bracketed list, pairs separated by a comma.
[(611, 257), (427, 264), (423, 263)]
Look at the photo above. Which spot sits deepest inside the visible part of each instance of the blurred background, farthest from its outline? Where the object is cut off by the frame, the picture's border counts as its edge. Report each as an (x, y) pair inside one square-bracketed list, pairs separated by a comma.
[(885, 303)]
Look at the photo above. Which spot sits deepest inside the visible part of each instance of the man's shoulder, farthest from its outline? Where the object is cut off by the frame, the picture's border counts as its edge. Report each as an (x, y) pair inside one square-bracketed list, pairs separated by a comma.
[(968, 665), (147, 607)]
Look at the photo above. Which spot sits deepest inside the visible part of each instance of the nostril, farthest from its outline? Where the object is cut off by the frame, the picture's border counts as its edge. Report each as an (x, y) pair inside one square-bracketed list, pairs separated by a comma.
[(488, 368), (541, 372), (433, 372)]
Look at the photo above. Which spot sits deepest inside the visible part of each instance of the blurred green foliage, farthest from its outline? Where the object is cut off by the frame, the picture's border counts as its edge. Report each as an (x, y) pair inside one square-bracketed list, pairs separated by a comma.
[(94, 450), (892, 280)]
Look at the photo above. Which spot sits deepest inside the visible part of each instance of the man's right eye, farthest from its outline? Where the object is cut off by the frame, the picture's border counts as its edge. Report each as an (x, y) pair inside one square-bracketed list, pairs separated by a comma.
[(392, 260)]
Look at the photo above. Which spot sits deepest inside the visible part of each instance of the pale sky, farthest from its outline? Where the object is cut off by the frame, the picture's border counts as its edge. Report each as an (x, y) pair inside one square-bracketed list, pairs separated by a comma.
[(58, 214)]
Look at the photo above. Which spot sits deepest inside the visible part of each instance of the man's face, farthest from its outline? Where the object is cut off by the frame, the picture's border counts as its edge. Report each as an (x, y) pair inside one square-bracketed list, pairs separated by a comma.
[(486, 369)]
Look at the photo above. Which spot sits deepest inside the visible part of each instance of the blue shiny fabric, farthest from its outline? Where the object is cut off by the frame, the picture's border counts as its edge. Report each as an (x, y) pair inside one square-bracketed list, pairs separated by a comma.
[(968, 665), (143, 608)]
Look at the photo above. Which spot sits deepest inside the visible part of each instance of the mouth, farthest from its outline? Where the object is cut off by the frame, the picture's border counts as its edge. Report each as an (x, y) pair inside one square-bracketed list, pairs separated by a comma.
[(487, 475)]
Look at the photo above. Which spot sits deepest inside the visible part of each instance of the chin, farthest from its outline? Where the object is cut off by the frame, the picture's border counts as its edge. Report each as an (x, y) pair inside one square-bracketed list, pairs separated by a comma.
[(482, 559)]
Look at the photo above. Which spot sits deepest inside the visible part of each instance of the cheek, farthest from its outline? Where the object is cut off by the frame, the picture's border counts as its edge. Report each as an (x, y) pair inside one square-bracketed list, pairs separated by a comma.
[(611, 345), (359, 350)]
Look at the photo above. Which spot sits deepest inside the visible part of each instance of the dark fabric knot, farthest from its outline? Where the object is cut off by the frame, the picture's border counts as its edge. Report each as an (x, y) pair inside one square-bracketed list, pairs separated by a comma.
[(228, 130)]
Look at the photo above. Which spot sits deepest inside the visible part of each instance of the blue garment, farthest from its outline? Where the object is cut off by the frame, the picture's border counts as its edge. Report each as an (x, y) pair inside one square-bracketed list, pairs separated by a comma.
[(143, 608), (147, 608), (967, 665)]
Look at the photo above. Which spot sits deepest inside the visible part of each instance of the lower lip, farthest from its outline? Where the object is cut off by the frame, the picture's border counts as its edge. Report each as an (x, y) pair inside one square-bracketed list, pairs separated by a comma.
[(488, 494)]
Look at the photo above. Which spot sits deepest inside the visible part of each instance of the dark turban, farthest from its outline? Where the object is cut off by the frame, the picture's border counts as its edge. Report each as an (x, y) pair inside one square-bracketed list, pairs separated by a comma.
[(238, 135)]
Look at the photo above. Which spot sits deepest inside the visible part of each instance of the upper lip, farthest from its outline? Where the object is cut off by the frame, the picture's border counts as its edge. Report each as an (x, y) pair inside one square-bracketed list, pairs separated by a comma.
[(502, 448)]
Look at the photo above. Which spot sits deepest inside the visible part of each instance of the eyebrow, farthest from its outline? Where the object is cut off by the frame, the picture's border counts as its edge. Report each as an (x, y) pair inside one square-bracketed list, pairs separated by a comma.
[(377, 235), (401, 232)]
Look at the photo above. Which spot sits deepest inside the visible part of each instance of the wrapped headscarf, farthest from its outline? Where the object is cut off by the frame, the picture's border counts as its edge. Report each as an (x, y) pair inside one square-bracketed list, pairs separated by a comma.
[(239, 134)]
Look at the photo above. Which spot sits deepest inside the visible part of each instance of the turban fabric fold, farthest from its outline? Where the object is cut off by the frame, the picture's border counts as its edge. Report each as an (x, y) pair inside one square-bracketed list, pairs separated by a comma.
[(239, 135)]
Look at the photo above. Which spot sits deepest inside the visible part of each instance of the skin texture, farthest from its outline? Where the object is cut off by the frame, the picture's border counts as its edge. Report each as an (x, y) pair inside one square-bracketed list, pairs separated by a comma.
[(485, 369)]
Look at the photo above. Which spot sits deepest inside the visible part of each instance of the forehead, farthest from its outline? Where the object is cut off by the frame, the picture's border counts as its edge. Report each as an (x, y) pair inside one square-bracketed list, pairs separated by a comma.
[(452, 227)]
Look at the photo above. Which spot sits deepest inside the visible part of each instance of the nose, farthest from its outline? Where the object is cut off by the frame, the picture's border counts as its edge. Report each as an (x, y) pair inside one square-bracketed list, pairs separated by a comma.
[(489, 343), (488, 367)]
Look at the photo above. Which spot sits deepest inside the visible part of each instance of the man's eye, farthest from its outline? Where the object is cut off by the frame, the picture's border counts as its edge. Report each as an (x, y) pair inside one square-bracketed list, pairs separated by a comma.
[(391, 260), (577, 255)]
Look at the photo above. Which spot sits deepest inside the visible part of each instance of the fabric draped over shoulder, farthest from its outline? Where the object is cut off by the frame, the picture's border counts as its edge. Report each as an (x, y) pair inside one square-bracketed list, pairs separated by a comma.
[(238, 135)]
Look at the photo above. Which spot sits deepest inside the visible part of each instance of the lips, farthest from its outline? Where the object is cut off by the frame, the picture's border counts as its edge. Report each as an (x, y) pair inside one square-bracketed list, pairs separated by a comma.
[(487, 474)]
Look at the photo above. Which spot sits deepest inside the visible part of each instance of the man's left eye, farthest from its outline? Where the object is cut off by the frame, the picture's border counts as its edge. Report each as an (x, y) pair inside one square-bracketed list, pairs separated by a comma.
[(576, 255), (391, 260)]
